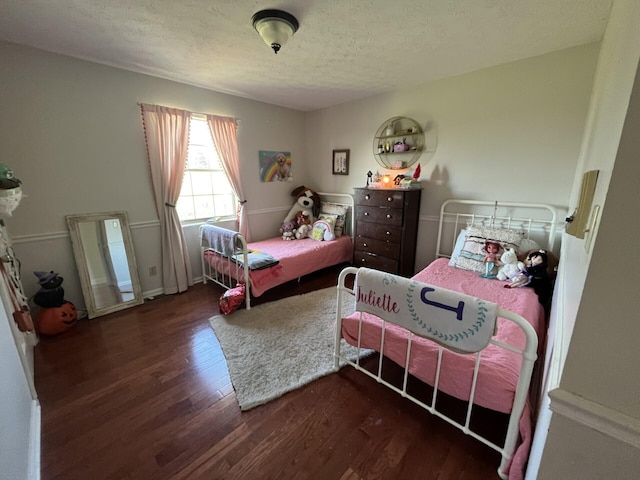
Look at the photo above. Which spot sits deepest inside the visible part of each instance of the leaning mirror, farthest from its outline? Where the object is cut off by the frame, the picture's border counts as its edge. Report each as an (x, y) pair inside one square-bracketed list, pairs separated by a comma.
[(106, 264)]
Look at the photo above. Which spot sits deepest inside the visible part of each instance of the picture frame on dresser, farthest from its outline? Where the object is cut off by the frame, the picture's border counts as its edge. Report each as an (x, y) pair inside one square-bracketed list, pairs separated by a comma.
[(340, 162)]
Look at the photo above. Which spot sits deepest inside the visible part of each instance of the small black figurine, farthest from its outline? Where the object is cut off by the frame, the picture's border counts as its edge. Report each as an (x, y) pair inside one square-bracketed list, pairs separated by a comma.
[(369, 175), (51, 293)]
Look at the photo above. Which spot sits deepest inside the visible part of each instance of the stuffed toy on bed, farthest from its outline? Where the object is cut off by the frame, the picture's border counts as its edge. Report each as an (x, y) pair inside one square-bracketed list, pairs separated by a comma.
[(535, 275), (510, 265), (306, 200), (303, 224), (288, 230)]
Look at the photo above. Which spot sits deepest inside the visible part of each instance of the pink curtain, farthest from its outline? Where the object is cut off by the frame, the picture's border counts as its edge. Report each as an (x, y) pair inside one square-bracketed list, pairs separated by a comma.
[(224, 132), (166, 132)]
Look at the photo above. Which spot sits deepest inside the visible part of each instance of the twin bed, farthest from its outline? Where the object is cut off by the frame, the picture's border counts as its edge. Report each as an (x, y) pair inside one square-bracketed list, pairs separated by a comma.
[(274, 261), (465, 336), (419, 324)]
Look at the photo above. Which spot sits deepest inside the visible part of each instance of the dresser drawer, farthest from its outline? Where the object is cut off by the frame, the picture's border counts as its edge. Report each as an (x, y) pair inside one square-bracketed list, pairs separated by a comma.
[(388, 216), (379, 231), (377, 247), (379, 198), (364, 259)]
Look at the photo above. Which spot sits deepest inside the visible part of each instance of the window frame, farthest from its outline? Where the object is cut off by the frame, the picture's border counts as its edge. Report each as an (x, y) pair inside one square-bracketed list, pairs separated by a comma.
[(213, 171)]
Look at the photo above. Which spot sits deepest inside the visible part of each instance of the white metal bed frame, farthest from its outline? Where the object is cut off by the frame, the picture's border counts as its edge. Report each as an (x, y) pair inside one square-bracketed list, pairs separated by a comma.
[(537, 220), (232, 270), (455, 215)]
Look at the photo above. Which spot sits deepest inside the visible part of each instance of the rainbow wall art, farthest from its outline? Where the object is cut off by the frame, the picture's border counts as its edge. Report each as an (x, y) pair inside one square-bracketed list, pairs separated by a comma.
[(275, 166)]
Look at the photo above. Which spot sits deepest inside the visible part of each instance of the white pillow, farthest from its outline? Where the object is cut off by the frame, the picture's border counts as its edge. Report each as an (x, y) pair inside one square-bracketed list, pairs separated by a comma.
[(462, 237), (340, 211), (527, 244), (472, 255), (335, 208)]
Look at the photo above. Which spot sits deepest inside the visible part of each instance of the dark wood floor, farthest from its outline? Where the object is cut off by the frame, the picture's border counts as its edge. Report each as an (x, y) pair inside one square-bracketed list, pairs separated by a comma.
[(145, 394)]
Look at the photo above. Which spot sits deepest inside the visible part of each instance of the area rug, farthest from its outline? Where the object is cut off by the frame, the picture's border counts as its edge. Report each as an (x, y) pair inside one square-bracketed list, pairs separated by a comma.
[(277, 347)]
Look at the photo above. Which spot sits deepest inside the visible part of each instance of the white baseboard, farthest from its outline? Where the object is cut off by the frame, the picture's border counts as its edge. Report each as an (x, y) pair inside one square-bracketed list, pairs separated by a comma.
[(598, 417), (156, 292), (35, 435)]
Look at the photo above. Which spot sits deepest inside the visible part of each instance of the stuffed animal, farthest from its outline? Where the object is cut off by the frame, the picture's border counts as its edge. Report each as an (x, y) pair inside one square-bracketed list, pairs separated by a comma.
[(303, 231), (303, 217), (303, 224), (306, 199), (288, 230), (535, 275), (510, 265)]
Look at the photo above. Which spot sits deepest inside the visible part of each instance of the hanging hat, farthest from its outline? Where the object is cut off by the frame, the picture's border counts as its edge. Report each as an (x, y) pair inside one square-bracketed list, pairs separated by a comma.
[(7, 180)]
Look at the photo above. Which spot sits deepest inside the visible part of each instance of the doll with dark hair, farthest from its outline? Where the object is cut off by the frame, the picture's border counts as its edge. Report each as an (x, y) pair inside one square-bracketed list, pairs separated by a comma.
[(534, 275)]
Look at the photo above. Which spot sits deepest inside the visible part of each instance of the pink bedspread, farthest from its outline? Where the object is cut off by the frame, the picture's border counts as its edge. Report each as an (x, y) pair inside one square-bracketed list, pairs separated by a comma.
[(498, 373), (297, 258)]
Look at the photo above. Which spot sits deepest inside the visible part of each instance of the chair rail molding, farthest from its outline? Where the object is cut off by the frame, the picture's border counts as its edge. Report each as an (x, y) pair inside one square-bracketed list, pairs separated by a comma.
[(603, 419)]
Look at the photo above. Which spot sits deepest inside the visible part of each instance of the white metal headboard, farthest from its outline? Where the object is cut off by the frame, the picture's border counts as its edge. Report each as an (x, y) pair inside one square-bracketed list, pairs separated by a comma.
[(345, 200), (539, 221)]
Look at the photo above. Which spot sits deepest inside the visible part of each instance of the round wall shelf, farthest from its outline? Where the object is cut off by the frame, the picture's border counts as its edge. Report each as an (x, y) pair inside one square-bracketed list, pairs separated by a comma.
[(398, 143), (415, 143)]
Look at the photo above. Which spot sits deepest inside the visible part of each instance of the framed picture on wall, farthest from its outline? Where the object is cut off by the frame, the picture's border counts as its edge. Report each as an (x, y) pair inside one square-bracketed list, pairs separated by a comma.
[(275, 166), (340, 162)]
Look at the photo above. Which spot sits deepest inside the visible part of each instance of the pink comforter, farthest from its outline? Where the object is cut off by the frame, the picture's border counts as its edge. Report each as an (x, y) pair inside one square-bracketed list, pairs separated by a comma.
[(498, 374), (297, 258)]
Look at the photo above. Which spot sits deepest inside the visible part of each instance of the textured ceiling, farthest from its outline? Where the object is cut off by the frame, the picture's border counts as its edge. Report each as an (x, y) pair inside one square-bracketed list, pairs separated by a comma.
[(344, 50)]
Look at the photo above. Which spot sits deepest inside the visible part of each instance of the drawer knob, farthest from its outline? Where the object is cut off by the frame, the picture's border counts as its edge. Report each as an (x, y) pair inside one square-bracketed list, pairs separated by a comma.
[(389, 199), (388, 233), (388, 215), (366, 214), (362, 260), (365, 245), (367, 197)]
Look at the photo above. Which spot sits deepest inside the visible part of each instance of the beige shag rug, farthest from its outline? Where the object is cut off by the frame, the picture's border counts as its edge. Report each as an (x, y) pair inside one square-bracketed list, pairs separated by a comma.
[(280, 346)]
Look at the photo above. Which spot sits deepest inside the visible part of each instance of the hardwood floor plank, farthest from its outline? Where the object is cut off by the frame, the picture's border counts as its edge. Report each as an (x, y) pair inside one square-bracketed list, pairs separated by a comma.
[(145, 394)]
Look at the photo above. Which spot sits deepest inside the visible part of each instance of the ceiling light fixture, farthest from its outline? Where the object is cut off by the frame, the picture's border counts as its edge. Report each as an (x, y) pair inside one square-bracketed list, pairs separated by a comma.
[(275, 27)]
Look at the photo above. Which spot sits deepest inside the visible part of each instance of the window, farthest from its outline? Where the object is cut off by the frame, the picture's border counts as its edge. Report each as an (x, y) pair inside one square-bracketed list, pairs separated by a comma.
[(206, 191)]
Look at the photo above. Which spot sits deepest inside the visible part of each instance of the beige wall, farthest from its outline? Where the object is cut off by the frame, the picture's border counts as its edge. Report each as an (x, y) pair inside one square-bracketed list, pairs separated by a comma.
[(594, 431), (72, 132), (511, 132)]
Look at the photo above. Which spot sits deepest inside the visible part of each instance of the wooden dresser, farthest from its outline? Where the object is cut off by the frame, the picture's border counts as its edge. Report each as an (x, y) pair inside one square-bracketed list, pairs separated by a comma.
[(386, 229)]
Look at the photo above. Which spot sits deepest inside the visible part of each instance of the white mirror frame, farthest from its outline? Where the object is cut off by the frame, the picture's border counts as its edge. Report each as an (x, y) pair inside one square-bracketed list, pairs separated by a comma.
[(80, 254)]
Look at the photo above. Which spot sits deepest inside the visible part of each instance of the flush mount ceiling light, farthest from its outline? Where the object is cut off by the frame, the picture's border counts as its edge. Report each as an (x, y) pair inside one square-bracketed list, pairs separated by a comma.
[(275, 27)]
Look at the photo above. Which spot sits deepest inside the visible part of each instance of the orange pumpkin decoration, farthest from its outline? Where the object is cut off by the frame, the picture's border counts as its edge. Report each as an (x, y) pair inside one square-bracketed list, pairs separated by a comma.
[(55, 320)]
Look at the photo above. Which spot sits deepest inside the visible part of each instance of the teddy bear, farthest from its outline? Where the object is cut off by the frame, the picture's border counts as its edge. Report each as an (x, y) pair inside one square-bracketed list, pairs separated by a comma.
[(303, 224), (510, 265), (288, 230)]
